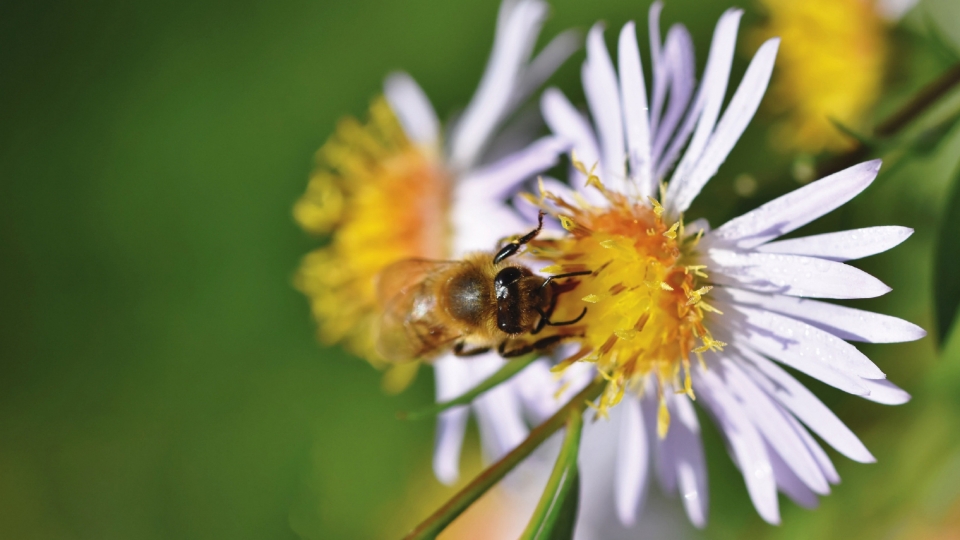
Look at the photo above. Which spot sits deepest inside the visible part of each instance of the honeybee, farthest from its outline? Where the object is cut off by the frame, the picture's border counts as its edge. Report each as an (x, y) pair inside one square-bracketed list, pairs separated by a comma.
[(472, 305)]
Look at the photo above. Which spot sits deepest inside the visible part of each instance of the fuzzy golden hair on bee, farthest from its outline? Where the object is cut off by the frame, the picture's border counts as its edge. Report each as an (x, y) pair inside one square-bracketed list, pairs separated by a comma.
[(472, 305)]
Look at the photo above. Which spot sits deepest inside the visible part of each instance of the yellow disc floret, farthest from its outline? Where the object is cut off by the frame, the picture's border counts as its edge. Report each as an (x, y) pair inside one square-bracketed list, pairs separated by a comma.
[(381, 199), (644, 299), (830, 67)]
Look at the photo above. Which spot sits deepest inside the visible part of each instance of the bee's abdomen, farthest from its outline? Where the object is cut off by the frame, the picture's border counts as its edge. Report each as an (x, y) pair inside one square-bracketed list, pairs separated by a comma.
[(467, 297)]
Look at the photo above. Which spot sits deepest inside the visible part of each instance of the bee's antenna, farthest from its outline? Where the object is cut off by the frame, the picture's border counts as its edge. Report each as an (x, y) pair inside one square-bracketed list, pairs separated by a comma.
[(511, 249)]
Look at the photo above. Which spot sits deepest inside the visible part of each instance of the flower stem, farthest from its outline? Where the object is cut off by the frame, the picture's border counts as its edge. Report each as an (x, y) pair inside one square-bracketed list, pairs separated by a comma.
[(439, 520), (508, 370), (560, 495)]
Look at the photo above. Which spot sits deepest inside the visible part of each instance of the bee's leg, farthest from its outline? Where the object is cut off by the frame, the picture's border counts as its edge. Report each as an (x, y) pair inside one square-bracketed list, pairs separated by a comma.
[(571, 321), (512, 248), (458, 350), (550, 279), (528, 348), (544, 316)]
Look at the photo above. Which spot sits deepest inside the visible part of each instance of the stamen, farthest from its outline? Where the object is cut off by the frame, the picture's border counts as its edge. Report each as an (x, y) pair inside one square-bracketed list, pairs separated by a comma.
[(646, 296)]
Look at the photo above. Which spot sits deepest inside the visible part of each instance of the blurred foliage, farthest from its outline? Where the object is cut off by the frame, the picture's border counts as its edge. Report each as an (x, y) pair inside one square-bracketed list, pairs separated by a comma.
[(947, 298), (159, 375)]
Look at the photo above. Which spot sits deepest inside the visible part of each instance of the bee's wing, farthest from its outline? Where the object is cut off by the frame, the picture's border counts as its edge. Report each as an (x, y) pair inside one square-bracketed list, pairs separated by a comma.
[(402, 276), (411, 326)]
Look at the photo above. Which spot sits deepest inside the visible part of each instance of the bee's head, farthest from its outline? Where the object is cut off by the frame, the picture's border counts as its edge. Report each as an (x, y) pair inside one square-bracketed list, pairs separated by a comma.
[(521, 299)]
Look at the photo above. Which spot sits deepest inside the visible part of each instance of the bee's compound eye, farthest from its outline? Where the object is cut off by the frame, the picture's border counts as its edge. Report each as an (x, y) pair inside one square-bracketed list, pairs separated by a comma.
[(505, 278)]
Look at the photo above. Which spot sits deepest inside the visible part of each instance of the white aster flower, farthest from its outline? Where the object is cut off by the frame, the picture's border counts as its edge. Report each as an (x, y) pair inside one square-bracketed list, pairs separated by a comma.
[(681, 312)]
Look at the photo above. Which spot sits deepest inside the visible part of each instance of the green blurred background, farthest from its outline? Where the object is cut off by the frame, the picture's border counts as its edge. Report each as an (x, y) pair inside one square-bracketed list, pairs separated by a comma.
[(159, 376)]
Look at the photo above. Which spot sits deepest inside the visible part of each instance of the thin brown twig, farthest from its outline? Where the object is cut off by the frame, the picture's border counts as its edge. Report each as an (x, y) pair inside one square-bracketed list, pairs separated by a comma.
[(893, 124)]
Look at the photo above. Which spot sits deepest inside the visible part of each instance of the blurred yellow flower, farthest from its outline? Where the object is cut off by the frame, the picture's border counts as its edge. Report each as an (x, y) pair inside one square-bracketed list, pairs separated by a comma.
[(381, 199), (831, 66)]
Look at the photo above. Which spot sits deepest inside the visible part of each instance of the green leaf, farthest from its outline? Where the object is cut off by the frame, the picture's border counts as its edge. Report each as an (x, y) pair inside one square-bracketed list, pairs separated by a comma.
[(439, 520), (926, 143), (866, 141), (931, 138), (947, 266), (509, 369), (556, 513)]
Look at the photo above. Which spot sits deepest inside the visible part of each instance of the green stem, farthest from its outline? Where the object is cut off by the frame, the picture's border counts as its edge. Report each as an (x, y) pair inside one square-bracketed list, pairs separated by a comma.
[(509, 369), (920, 103), (439, 520), (562, 480)]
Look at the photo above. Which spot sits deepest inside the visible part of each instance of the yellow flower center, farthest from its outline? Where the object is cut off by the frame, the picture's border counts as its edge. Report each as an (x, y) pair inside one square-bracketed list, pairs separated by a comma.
[(830, 67), (645, 308), (383, 199)]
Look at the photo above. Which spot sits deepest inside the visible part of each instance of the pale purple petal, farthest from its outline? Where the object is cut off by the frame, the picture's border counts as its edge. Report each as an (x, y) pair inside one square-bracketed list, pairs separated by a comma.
[(713, 89), (536, 387), (497, 180), (522, 128), (479, 224), (749, 451), (791, 275), (789, 483), (694, 227), (413, 109), (559, 189), (750, 338), (768, 417), (797, 208), (823, 461), (894, 10), (498, 410), (665, 449), (600, 86), (575, 378), (632, 457), (452, 379), (512, 47), (597, 462), (843, 245), (691, 466), (844, 322), (735, 119), (566, 121), (805, 406), (672, 153), (658, 66), (633, 95), (802, 340), (885, 392), (545, 63), (679, 57)]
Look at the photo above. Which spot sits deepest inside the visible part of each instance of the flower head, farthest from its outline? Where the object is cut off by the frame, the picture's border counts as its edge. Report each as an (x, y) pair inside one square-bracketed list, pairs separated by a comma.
[(832, 67), (645, 297), (677, 312), (388, 200)]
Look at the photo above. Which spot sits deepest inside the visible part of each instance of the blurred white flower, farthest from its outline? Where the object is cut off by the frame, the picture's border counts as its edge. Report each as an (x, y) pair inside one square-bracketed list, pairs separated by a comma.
[(677, 312), (480, 216)]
